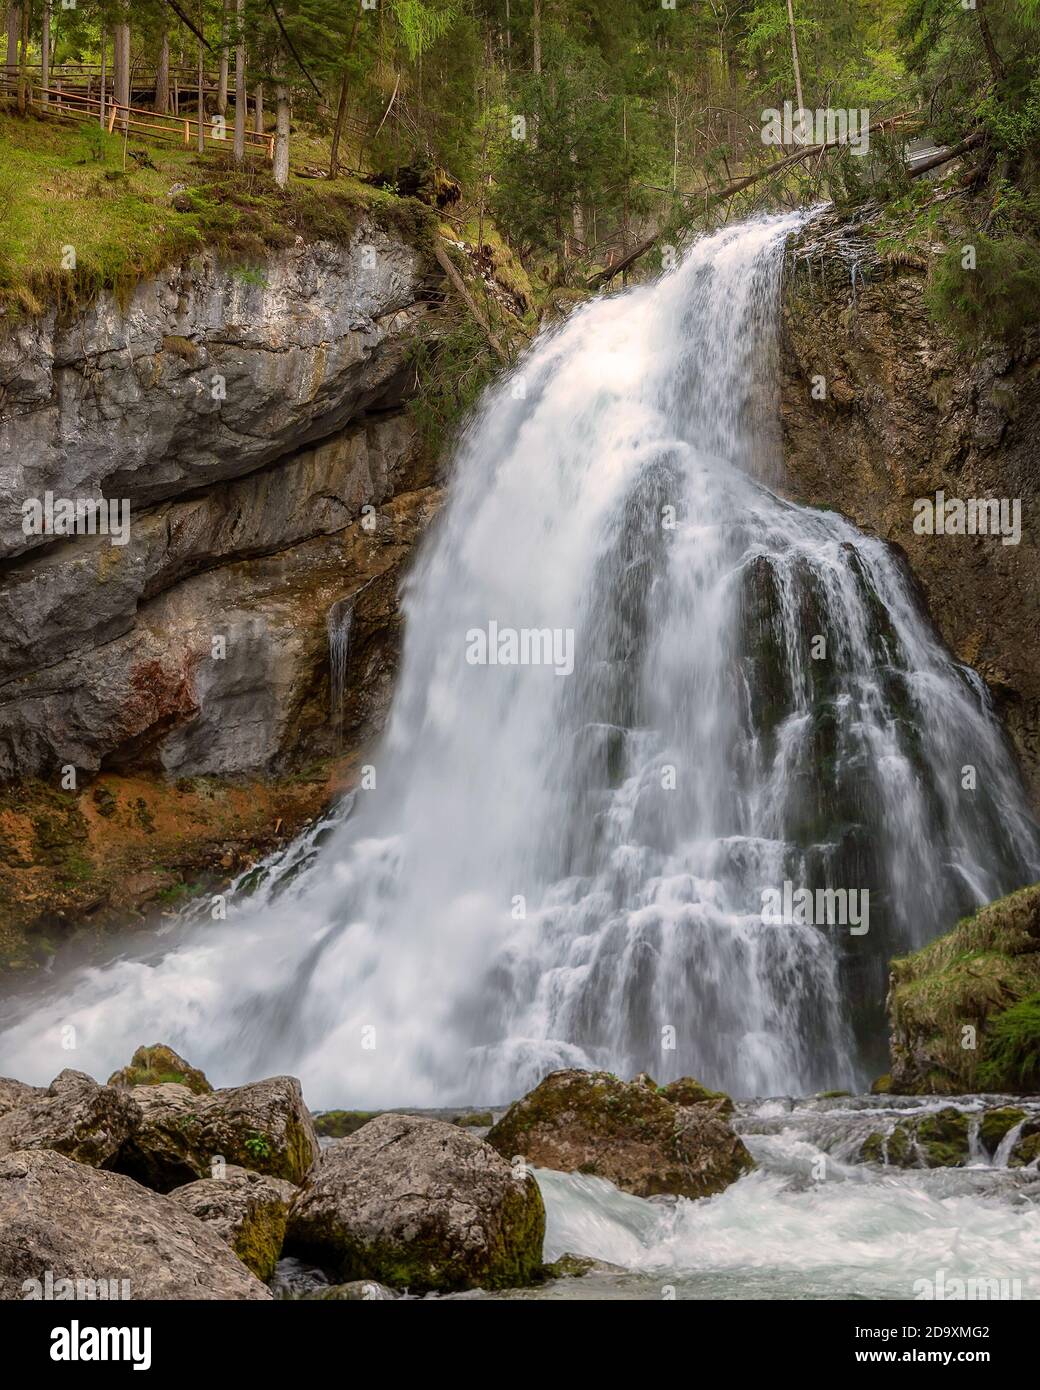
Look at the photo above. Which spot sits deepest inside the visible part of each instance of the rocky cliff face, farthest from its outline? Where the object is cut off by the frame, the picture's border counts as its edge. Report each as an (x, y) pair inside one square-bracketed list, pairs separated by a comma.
[(254, 431), (254, 427), (908, 413)]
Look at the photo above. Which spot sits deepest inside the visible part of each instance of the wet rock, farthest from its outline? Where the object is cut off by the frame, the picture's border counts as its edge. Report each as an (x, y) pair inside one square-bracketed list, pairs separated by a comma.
[(939, 1139), (629, 1133), (247, 1210), (264, 1126), (909, 412), (419, 1204), (687, 1091), (569, 1267), (1026, 1148), (996, 1123), (357, 1291), (85, 1225), (152, 1066), (74, 1116)]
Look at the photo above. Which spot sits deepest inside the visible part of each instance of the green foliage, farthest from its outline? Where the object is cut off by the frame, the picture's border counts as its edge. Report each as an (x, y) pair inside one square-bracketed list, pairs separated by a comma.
[(1012, 1048), (996, 299), (452, 367), (258, 1147)]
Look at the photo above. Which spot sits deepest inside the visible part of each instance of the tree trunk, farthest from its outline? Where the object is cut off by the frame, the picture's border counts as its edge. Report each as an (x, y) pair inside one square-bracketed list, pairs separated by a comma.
[(258, 108), (281, 136), (14, 30), (121, 69), (101, 108), (536, 38), (45, 54), (162, 77), (794, 57), (202, 105), (240, 83), (222, 79), (996, 63), (23, 70), (341, 109)]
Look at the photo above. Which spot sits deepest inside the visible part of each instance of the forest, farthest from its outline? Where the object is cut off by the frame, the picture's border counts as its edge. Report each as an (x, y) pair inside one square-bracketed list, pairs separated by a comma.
[(579, 127)]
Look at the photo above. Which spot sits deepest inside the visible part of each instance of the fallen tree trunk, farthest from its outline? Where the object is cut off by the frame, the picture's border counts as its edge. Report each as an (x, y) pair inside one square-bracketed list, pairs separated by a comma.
[(944, 156), (446, 264), (602, 277)]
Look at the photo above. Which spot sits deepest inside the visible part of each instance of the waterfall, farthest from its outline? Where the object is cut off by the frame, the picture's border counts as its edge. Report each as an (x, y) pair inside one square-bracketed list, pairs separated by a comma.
[(639, 692)]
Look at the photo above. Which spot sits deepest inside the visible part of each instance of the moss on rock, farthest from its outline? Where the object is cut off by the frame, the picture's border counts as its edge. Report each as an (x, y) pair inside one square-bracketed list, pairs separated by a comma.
[(627, 1132), (965, 1009), (152, 1066)]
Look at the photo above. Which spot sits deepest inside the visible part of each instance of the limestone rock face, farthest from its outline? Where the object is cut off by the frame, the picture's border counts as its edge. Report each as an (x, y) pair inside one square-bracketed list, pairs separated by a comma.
[(86, 1226), (74, 1116), (627, 1132), (909, 413), (200, 646), (417, 1203), (125, 404), (264, 1126), (247, 1211)]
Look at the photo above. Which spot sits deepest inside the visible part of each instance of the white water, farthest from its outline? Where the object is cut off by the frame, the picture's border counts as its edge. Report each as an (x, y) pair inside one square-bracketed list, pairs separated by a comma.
[(811, 1222), (643, 901)]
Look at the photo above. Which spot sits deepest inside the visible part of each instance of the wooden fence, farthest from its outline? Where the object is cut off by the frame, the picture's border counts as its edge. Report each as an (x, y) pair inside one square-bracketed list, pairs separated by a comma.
[(60, 104)]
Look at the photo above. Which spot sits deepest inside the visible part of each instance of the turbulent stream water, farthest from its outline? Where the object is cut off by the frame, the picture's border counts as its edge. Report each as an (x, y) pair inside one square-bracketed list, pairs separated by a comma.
[(563, 861)]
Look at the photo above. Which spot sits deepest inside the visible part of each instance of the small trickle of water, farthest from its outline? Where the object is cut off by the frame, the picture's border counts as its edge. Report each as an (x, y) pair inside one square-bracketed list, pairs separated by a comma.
[(339, 621)]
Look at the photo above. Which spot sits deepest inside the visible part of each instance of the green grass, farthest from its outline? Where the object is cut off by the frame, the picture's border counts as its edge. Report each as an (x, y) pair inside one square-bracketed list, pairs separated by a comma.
[(64, 185)]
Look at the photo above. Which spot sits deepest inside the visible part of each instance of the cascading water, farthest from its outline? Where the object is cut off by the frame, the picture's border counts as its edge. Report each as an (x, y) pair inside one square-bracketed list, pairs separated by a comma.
[(563, 862)]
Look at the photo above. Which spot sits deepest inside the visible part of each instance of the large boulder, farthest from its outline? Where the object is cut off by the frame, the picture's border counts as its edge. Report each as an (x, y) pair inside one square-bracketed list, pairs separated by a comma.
[(155, 1065), (416, 1203), (73, 1116), (246, 1210), (61, 1220), (16, 1094), (627, 1132), (264, 1126)]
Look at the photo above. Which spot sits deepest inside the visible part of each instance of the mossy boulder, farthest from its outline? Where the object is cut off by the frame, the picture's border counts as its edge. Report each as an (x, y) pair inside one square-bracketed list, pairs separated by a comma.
[(1026, 1148), (627, 1132), (419, 1204), (264, 1126), (337, 1124), (155, 1065), (74, 1116), (965, 1010), (84, 1224), (938, 1139), (248, 1211), (686, 1091), (995, 1124)]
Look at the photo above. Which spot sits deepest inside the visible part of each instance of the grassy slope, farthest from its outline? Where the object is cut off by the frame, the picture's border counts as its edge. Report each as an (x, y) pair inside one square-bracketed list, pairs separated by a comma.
[(65, 185)]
